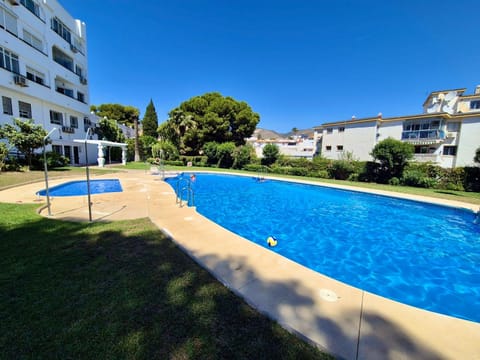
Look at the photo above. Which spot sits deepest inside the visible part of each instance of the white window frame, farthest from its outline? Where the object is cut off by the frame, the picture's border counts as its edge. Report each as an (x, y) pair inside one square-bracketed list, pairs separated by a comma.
[(7, 105), (56, 117), (24, 110)]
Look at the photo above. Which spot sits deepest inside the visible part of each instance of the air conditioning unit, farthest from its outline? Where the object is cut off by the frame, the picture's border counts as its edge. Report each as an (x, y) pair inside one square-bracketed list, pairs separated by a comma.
[(20, 80), (14, 2), (73, 48), (450, 135)]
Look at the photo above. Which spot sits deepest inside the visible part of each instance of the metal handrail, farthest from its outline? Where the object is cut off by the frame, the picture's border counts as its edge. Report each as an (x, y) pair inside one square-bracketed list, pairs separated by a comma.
[(185, 184)]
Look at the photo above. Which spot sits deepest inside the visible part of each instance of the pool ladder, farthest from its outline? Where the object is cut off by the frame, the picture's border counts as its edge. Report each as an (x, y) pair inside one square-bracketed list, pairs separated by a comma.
[(261, 174), (184, 187)]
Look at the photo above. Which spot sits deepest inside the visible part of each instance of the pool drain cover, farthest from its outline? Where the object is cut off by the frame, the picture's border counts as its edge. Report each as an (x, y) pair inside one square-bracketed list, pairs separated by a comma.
[(328, 295)]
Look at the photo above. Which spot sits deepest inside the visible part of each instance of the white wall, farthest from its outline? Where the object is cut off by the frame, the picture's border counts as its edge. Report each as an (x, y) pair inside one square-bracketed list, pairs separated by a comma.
[(468, 142)]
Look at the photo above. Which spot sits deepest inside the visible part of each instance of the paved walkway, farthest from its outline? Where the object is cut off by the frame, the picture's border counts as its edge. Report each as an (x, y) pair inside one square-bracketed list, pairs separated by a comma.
[(343, 320)]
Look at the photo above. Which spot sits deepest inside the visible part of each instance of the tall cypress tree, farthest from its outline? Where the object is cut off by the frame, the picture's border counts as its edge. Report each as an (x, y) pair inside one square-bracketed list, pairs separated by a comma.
[(150, 121)]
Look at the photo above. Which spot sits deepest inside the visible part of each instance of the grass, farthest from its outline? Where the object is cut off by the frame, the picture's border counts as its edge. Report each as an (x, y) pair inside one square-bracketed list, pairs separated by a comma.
[(13, 178), (120, 291)]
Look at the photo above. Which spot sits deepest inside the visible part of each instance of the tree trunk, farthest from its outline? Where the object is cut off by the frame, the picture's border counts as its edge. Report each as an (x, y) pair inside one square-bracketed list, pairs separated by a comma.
[(137, 147)]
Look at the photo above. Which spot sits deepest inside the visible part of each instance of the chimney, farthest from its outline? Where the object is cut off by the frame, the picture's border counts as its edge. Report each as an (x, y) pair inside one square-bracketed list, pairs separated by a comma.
[(477, 90)]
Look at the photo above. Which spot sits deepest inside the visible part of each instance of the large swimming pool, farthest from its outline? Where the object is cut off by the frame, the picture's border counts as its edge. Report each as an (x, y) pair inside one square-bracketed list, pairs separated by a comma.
[(420, 254)]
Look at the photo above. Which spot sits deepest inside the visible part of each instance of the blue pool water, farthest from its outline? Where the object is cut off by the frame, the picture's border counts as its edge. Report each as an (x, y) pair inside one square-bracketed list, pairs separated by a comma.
[(420, 254), (77, 188)]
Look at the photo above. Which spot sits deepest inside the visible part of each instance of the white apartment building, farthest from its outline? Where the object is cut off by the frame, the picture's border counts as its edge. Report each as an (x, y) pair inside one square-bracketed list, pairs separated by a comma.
[(296, 147), (447, 133), (44, 73)]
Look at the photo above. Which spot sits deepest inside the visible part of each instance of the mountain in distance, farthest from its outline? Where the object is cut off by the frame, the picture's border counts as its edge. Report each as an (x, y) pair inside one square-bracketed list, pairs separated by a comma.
[(266, 134)]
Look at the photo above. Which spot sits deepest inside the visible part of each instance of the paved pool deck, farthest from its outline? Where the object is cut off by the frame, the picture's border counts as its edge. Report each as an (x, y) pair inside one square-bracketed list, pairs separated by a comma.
[(344, 321)]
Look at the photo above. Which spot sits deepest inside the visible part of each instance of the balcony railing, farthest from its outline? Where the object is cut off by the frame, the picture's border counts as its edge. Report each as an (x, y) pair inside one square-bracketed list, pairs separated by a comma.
[(421, 135), (426, 158)]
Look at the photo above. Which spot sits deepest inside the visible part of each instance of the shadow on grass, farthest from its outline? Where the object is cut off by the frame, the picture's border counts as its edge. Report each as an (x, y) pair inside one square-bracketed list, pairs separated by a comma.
[(447, 193), (120, 290), (124, 290)]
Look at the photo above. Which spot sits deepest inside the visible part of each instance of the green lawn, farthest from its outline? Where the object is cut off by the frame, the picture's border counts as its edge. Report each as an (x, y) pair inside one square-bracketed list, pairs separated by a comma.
[(120, 290), (12, 178)]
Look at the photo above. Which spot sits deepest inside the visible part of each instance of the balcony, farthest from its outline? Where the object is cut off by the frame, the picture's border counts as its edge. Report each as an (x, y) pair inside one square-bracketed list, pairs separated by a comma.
[(68, 129), (426, 158), (423, 136)]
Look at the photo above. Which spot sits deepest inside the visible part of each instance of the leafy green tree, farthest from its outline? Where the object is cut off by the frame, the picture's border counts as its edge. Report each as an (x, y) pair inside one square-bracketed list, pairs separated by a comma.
[(109, 130), (25, 136), (3, 154), (393, 156), (477, 156), (165, 150), (225, 153), (210, 151), (242, 156), (150, 121), (208, 118), (147, 144), (270, 153), (127, 115)]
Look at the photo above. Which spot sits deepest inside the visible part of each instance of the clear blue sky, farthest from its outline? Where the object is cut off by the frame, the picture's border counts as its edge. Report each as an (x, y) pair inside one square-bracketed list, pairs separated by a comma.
[(297, 63)]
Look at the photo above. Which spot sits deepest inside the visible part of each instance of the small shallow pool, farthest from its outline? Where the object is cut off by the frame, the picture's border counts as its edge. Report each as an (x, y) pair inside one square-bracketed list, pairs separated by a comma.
[(420, 254), (79, 188)]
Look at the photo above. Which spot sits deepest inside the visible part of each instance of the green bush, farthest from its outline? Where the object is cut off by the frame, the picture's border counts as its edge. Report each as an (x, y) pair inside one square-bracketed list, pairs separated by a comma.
[(452, 179), (471, 181), (341, 169), (3, 155), (323, 174), (394, 181), (174, 162), (417, 178), (255, 167), (54, 160)]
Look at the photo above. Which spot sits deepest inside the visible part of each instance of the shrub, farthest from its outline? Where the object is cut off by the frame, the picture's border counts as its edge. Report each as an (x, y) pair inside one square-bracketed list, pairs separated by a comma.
[(174, 162), (417, 178), (393, 156), (452, 179), (394, 181), (255, 167), (3, 155), (270, 153), (471, 180), (341, 169)]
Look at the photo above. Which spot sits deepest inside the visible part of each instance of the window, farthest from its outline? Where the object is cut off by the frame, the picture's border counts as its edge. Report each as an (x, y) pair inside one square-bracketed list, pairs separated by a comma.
[(74, 122), (7, 105), (57, 149), (61, 29), (475, 105), (80, 97), (8, 21), (36, 76), (31, 6), (9, 61), (24, 110), (339, 147), (78, 71), (65, 91), (453, 126), (32, 40), (328, 148), (341, 129), (329, 130), (450, 150), (56, 117), (62, 59)]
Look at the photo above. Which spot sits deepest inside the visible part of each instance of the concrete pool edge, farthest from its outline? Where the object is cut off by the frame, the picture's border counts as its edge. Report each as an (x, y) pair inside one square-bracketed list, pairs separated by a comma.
[(358, 325)]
